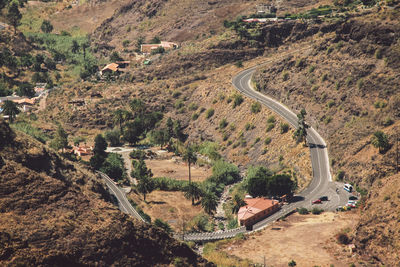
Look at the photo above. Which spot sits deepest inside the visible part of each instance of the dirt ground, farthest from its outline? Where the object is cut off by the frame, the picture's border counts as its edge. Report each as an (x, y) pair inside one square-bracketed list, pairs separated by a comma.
[(307, 239), (171, 207), (176, 169)]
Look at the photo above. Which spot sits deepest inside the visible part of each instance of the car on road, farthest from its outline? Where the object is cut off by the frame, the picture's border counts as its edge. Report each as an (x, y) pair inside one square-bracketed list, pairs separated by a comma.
[(353, 198), (317, 201), (348, 187), (323, 198), (351, 204)]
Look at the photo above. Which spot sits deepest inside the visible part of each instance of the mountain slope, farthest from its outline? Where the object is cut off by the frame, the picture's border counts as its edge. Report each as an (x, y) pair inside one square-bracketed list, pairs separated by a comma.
[(56, 213)]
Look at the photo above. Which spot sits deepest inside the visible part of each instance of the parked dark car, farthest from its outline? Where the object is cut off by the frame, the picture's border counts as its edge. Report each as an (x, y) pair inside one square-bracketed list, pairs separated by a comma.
[(353, 198), (323, 198)]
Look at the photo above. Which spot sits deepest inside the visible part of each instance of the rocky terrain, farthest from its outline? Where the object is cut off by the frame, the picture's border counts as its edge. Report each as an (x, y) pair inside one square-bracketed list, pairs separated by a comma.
[(54, 212)]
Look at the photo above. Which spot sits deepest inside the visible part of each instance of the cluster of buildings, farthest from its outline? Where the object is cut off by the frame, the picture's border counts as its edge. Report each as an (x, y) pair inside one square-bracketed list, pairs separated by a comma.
[(146, 49)]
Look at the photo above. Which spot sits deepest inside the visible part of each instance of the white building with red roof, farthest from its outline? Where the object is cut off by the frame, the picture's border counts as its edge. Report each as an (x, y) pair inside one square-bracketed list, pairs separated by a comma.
[(256, 210)]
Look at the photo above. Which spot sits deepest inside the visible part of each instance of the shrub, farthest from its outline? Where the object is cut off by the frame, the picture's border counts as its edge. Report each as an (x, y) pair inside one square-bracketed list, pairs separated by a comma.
[(300, 62), (168, 184), (316, 211), (195, 116), (379, 104), (340, 175), (256, 107), (249, 126), (324, 77), (342, 238), (239, 64), (223, 123), (126, 43), (329, 50), (388, 121), (302, 211), (330, 103), (163, 225), (193, 106), (349, 80), (237, 100), (232, 224), (270, 126), (311, 68), (378, 53), (284, 128), (209, 113), (271, 119), (285, 76), (360, 83), (179, 104), (267, 141), (176, 94)]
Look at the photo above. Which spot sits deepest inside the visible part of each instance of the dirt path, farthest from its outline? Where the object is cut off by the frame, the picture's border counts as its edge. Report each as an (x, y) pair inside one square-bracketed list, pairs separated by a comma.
[(128, 166), (307, 239)]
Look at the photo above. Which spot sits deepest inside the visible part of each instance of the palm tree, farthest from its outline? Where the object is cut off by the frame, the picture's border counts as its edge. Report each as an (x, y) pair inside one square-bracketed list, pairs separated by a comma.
[(193, 191), (380, 141), (209, 202), (145, 186), (238, 202), (190, 157), (11, 109)]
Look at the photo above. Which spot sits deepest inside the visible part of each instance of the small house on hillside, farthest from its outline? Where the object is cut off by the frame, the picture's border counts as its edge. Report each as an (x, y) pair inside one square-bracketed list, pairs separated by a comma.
[(256, 210), (82, 150), (266, 9), (148, 48), (26, 104), (110, 68)]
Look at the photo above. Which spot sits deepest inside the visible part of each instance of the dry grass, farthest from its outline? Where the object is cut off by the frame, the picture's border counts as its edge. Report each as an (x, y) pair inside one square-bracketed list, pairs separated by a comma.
[(308, 239)]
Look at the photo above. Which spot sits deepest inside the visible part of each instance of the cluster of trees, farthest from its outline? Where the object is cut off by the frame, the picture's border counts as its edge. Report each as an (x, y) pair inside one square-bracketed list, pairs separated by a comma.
[(111, 164), (205, 193), (263, 182), (136, 122)]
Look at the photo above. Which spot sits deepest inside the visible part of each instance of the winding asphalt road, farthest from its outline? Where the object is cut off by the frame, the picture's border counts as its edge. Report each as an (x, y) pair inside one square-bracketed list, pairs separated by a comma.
[(123, 203), (321, 184)]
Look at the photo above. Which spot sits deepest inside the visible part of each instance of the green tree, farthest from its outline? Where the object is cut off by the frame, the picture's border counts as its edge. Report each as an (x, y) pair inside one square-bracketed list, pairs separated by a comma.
[(380, 141), (75, 47), (13, 15), (113, 137), (46, 26), (292, 263), (60, 140), (193, 192), (155, 40), (132, 131), (140, 169), (190, 157), (100, 145), (115, 56), (238, 202), (209, 202), (113, 166), (163, 225), (257, 181), (137, 106), (26, 89), (119, 117), (160, 137), (301, 132), (11, 109), (145, 186), (224, 172), (143, 174)]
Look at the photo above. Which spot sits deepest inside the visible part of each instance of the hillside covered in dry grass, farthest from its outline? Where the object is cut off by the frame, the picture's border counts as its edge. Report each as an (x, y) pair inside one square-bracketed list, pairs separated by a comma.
[(54, 212)]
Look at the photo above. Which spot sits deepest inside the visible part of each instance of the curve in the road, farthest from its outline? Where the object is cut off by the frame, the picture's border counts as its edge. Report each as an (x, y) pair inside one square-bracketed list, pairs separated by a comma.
[(321, 183)]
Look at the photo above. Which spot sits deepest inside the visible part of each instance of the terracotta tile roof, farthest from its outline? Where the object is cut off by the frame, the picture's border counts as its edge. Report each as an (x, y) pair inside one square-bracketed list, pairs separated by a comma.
[(111, 66), (254, 206)]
